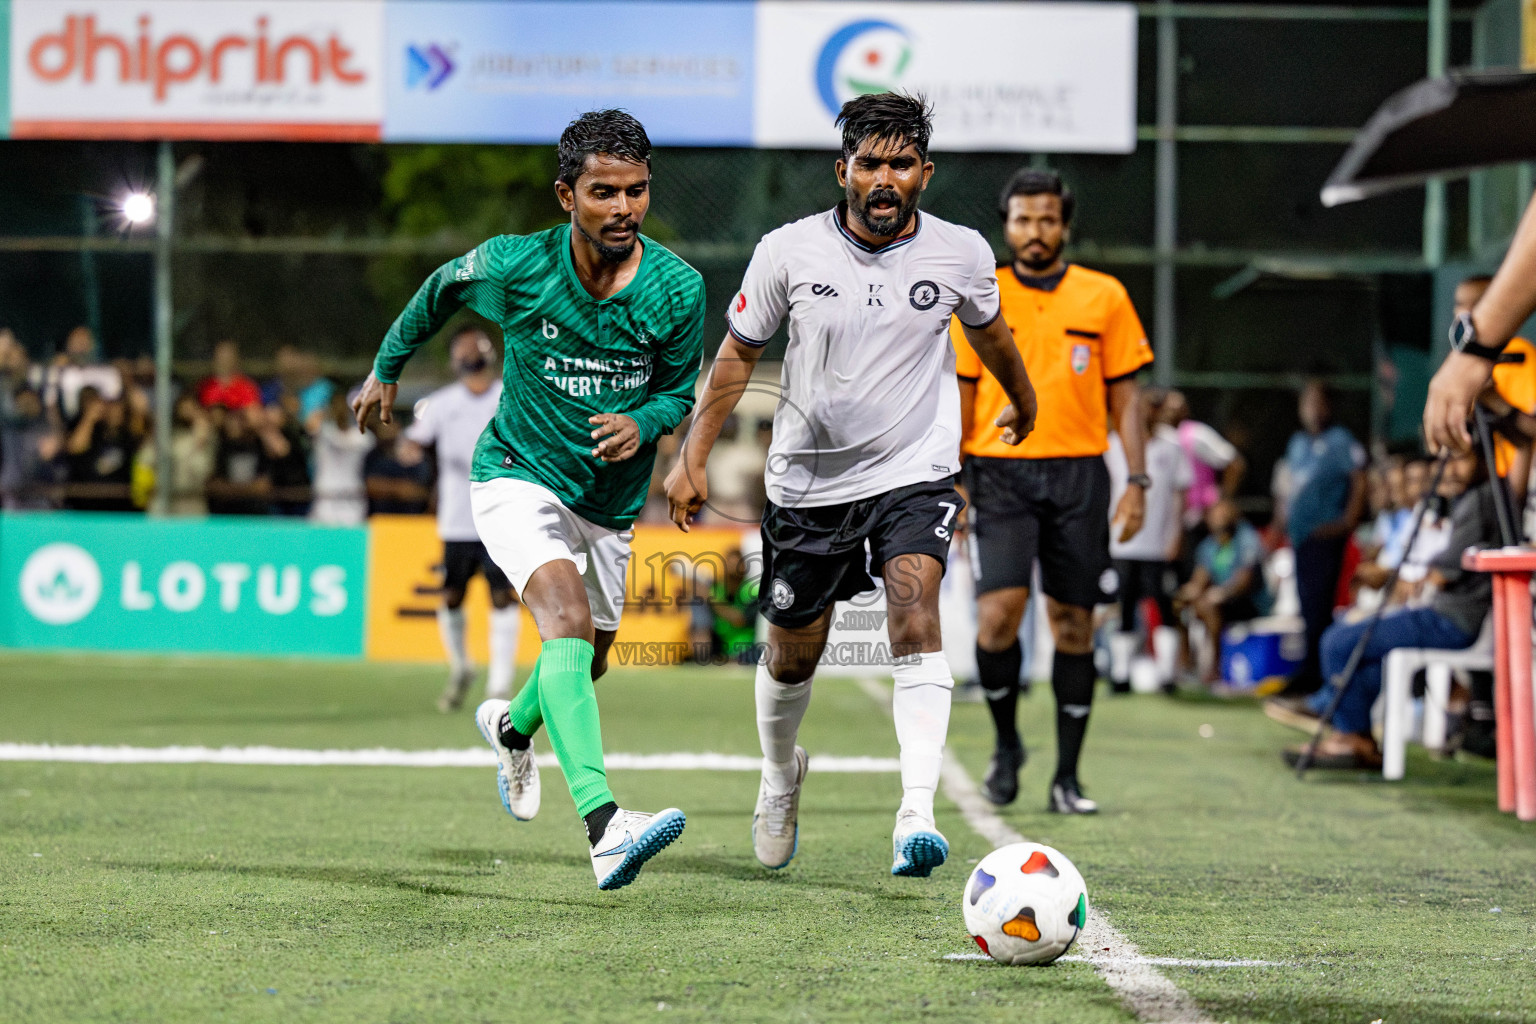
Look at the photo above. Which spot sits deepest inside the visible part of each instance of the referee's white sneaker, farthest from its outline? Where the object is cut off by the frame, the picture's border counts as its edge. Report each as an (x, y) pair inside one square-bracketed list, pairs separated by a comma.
[(918, 846), (776, 820), (631, 839), (517, 774)]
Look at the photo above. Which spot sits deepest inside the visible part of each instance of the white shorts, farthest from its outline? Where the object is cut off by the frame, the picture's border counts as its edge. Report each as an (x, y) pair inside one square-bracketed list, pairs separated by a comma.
[(524, 526)]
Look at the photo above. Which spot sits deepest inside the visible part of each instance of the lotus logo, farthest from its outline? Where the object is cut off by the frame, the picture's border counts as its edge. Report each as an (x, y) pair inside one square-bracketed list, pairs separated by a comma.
[(862, 57), (428, 66), (60, 584)]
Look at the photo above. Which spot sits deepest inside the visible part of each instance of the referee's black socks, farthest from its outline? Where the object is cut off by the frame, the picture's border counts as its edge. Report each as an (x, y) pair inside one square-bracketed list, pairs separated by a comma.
[(999, 675), (1072, 679)]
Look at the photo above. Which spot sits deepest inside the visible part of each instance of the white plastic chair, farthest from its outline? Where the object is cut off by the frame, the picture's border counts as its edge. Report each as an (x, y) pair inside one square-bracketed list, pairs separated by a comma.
[(1397, 694)]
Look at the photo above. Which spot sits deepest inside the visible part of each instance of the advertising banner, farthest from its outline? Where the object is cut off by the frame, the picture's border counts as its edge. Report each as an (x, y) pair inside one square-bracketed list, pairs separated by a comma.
[(1037, 77), (102, 581), (519, 72), (206, 69), (667, 566)]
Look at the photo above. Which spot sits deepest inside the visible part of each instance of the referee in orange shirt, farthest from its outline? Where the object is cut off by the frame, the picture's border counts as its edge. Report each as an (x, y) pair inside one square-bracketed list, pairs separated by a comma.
[(1083, 345)]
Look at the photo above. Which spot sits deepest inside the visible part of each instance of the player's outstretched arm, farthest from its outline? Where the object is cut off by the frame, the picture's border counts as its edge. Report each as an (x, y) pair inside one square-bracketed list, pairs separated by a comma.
[(466, 281), (1498, 315), (995, 348), (687, 485)]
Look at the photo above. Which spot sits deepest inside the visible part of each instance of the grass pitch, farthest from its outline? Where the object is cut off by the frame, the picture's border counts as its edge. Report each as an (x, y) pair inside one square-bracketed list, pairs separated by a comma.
[(202, 893)]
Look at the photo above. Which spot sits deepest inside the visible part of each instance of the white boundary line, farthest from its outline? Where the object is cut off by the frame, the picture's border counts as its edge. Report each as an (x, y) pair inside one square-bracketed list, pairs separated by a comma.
[(472, 757), (1149, 995), (1154, 961)]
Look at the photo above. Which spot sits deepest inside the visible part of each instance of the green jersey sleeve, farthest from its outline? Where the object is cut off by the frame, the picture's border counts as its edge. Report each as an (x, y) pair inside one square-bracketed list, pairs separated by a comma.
[(677, 370), (474, 280)]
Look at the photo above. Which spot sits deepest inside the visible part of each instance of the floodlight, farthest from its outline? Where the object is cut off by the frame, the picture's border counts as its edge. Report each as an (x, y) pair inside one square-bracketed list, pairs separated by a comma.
[(138, 208)]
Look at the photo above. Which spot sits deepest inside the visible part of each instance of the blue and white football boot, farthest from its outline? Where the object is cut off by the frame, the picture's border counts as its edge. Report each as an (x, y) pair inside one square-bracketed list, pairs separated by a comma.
[(918, 846), (517, 775), (631, 839)]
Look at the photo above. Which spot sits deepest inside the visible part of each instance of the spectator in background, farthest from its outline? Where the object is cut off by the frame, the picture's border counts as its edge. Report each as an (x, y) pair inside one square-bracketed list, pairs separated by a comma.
[(297, 377), (99, 454), (396, 474), (29, 450), (1450, 619), (72, 370), (194, 448), (1144, 563), (228, 386), (340, 448), (241, 483), (1326, 469), (1228, 580), (1217, 465), (289, 468)]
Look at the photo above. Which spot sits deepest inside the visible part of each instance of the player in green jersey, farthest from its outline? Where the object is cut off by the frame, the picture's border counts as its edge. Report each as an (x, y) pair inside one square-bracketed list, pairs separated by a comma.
[(604, 337)]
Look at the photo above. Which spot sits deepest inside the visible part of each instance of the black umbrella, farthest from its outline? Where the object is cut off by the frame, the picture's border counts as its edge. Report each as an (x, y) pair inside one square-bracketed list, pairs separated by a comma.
[(1466, 120)]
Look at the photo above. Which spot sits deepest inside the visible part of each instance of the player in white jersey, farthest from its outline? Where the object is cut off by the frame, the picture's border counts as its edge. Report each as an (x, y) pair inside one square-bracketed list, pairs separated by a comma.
[(452, 419), (865, 445)]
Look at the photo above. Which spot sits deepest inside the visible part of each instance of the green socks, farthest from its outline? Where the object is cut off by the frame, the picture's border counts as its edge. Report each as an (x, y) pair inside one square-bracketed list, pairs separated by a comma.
[(562, 682), (524, 712)]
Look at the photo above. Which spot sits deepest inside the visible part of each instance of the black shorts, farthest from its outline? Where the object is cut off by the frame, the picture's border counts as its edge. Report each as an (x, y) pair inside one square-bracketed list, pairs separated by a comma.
[(1056, 510), (463, 558), (1142, 579), (813, 557)]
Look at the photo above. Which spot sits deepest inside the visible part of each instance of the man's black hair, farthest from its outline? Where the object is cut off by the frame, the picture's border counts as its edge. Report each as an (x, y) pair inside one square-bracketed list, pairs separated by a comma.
[(1038, 181), (615, 132), (886, 117)]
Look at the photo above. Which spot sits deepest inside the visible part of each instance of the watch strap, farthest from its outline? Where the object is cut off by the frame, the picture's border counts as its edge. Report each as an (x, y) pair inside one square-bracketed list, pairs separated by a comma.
[(1139, 479)]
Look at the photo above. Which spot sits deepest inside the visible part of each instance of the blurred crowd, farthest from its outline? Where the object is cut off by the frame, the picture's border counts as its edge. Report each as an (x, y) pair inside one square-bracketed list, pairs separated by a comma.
[(77, 432)]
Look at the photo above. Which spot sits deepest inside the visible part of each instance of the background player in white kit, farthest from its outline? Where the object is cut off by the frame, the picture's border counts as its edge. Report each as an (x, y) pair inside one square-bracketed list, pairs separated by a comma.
[(452, 419), (866, 441)]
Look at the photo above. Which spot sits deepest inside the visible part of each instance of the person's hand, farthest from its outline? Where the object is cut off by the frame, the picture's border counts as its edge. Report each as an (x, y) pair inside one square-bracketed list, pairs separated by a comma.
[(1018, 419), (375, 395), (1130, 512), (620, 436), (1452, 391), (687, 489)]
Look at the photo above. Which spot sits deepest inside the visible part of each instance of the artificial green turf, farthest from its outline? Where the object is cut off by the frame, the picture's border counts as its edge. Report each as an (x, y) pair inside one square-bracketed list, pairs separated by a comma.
[(162, 892)]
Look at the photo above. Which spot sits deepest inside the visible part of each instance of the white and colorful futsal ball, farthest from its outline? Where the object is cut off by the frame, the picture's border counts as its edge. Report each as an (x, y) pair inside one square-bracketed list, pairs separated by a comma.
[(1025, 904)]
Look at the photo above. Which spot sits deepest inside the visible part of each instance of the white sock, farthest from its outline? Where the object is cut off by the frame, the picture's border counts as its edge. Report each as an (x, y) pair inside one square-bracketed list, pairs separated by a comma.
[(450, 623), (780, 707), (506, 624), (1165, 649), (1122, 648), (920, 706)]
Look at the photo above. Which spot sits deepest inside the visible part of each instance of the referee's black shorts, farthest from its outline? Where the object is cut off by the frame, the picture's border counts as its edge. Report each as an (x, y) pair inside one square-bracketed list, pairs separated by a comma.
[(1056, 510), (463, 558)]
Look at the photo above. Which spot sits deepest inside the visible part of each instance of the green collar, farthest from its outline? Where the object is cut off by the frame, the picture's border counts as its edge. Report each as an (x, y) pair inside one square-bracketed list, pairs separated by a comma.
[(568, 261)]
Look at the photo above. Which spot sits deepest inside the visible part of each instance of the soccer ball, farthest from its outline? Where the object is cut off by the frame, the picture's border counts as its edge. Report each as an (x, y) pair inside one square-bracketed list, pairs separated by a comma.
[(1025, 904)]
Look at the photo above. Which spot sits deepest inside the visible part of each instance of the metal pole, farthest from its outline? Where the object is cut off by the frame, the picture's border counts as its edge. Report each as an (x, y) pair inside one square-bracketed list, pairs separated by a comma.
[(1434, 190), (1165, 230), (165, 209)]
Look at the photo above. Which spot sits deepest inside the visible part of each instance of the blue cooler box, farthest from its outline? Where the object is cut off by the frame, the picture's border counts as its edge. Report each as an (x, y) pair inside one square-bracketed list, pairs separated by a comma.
[(1252, 652)]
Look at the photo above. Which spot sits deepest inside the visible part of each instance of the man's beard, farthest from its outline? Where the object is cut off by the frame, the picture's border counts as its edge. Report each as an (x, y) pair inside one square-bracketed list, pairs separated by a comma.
[(883, 227), (610, 253), (1041, 263)]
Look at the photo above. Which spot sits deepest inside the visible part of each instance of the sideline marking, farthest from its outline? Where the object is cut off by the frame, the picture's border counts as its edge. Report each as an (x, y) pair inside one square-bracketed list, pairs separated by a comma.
[(470, 757), (1149, 995)]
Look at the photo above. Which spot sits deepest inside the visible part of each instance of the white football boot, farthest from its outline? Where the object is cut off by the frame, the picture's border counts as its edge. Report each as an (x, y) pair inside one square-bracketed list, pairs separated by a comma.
[(918, 846), (776, 819), (631, 839), (517, 774)]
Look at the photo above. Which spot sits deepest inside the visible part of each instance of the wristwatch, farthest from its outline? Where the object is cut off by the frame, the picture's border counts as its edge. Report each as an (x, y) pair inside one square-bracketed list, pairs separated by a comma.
[(1464, 339), (1140, 480)]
